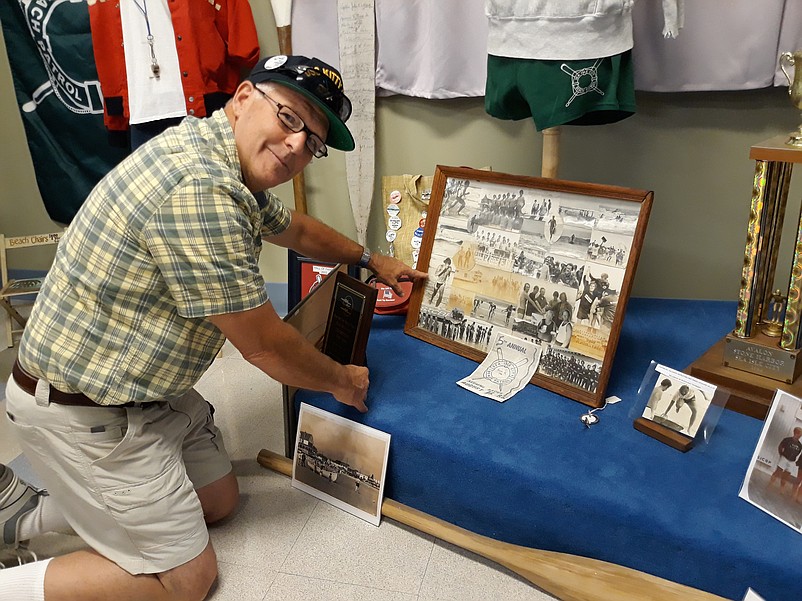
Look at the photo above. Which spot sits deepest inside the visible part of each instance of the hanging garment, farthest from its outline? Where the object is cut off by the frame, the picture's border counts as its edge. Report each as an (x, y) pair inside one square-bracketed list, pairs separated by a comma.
[(215, 42), (725, 45), (580, 92), (405, 201)]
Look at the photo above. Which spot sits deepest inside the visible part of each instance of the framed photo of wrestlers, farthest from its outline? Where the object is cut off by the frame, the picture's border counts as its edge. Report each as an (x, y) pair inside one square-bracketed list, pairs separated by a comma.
[(547, 260), (676, 408), (773, 482), (341, 462), (678, 401)]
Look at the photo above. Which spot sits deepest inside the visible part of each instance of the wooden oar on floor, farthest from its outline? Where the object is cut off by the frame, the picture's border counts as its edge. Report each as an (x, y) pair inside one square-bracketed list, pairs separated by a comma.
[(568, 577)]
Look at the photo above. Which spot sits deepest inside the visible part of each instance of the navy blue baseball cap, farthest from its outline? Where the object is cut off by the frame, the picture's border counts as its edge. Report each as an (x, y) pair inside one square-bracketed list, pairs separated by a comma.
[(319, 82)]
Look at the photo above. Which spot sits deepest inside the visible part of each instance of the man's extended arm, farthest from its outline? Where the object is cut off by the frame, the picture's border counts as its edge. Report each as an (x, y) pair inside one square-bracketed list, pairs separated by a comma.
[(281, 352), (315, 239)]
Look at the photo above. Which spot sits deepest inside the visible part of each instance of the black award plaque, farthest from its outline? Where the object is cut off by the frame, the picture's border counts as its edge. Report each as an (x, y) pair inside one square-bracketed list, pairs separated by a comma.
[(350, 317)]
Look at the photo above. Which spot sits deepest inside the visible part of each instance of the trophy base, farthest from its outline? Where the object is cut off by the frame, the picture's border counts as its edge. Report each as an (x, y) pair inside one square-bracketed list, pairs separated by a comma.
[(750, 393)]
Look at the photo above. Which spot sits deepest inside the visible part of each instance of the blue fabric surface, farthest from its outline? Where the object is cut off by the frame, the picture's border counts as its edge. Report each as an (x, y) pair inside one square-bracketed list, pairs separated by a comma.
[(528, 472)]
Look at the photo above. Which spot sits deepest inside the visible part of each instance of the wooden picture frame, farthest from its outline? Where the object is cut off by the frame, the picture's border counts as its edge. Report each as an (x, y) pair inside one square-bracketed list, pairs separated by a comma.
[(492, 238), (310, 317)]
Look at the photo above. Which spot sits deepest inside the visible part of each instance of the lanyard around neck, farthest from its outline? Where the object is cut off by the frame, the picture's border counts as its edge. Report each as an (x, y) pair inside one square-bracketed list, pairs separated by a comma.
[(154, 64)]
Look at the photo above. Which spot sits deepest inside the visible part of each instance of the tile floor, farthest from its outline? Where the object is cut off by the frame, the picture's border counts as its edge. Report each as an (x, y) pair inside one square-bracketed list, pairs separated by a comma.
[(284, 544)]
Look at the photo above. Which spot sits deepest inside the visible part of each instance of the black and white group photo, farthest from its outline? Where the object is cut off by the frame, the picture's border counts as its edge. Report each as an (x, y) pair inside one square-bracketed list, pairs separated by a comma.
[(546, 266)]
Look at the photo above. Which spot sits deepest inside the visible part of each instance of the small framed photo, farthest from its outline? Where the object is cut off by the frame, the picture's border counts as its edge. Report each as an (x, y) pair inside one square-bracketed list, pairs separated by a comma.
[(546, 260), (773, 481), (678, 401), (677, 409), (341, 462)]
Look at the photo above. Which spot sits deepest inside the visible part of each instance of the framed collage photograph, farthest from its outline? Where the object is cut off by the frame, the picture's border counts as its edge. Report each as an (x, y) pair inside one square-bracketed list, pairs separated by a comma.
[(546, 260)]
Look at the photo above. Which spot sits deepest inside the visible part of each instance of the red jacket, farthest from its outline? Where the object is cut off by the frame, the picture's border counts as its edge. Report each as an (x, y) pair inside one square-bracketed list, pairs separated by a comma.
[(216, 42)]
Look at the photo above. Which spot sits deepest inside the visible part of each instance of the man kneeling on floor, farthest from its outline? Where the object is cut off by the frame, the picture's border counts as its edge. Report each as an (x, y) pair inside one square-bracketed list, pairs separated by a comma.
[(158, 268)]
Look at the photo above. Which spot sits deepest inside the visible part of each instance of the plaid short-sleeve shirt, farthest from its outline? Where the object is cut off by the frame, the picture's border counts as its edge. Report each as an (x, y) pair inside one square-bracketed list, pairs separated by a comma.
[(170, 236)]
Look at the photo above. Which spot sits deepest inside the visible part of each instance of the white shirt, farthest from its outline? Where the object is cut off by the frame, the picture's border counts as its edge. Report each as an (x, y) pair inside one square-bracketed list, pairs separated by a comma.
[(151, 98), (724, 44)]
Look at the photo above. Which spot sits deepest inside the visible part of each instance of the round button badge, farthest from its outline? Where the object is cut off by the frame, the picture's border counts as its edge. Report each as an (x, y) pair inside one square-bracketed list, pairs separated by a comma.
[(390, 235), (274, 62), (416, 242), (395, 197)]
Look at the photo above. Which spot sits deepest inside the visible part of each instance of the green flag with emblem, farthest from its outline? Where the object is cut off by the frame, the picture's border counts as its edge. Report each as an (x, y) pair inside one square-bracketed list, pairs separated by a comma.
[(49, 46)]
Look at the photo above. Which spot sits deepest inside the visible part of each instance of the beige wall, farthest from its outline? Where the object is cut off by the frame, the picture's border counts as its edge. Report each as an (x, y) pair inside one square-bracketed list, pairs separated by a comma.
[(21, 208), (691, 149)]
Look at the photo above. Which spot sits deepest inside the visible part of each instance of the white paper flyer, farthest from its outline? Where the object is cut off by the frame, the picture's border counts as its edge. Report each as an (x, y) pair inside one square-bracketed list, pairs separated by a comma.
[(510, 364)]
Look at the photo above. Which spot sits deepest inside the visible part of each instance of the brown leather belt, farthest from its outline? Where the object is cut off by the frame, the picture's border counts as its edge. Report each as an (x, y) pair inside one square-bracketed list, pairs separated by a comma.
[(28, 383)]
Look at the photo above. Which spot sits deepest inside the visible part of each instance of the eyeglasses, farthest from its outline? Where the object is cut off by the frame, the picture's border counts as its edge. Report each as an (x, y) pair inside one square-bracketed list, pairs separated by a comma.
[(295, 124), (322, 85)]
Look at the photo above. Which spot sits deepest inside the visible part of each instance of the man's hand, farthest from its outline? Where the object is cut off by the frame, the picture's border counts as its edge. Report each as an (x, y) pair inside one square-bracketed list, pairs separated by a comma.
[(355, 390), (389, 269)]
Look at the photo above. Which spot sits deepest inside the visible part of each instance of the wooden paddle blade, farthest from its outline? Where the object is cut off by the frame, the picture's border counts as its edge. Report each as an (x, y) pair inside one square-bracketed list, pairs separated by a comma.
[(568, 577), (282, 11)]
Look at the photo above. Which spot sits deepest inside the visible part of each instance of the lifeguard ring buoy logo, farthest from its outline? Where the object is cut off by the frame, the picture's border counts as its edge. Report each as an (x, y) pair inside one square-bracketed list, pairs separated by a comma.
[(81, 97)]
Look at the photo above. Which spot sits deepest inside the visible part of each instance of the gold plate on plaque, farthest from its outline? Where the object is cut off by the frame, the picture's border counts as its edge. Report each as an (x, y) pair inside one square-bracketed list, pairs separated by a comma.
[(770, 361)]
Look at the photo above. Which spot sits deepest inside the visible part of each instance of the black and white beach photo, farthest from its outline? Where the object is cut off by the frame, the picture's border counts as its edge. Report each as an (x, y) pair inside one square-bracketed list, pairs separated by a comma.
[(341, 462)]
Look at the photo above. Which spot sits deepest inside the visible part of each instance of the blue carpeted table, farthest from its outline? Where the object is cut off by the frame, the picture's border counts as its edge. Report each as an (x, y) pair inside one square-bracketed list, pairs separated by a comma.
[(528, 472)]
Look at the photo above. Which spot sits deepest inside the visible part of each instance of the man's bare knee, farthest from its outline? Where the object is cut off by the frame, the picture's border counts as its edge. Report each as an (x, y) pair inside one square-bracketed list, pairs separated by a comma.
[(219, 499), (192, 581), (89, 576)]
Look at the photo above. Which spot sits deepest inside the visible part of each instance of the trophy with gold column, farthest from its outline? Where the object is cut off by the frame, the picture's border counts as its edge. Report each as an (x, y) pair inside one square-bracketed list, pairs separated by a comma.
[(764, 350)]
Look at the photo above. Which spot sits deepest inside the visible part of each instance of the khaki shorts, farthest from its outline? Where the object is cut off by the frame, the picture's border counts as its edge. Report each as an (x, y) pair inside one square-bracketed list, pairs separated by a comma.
[(583, 92), (125, 478)]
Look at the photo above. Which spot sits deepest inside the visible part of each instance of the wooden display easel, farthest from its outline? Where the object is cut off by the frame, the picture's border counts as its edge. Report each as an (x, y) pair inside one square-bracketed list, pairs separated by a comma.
[(665, 435), (310, 318)]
